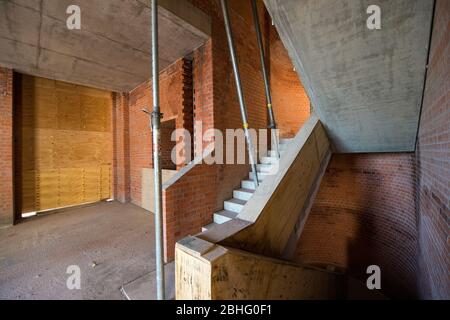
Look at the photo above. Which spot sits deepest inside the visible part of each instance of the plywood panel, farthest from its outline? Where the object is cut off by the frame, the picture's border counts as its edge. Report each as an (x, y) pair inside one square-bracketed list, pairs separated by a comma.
[(82, 148), (44, 156), (29, 194), (45, 103), (69, 188), (105, 182), (47, 189), (243, 276), (95, 115), (69, 110), (65, 144), (222, 273), (192, 277)]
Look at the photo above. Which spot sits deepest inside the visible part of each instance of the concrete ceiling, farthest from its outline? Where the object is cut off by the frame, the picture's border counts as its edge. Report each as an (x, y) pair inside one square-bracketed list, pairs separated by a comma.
[(365, 85), (111, 51)]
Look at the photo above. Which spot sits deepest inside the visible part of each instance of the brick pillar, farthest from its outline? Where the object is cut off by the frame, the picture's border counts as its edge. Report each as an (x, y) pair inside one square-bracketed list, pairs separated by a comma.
[(187, 112), (121, 148), (203, 89), (6, 148)]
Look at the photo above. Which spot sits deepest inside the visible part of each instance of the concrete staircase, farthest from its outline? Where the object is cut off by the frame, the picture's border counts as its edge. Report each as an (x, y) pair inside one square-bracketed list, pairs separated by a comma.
[(234, 206)]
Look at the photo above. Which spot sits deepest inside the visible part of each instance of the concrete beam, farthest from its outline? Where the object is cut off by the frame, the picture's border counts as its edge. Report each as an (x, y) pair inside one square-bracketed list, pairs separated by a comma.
[(112, 49), (199, 21)]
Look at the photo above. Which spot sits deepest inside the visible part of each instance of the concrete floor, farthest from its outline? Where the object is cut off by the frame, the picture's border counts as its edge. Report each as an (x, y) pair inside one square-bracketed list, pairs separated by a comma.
[(35, 254)]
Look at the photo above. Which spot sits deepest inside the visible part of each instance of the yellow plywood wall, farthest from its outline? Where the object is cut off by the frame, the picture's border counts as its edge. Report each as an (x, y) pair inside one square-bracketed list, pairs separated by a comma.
[(64, 144)]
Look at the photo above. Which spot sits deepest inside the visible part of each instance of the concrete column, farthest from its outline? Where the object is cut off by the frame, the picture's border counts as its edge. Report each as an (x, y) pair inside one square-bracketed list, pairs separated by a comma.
[(6, 148), (121, 148)]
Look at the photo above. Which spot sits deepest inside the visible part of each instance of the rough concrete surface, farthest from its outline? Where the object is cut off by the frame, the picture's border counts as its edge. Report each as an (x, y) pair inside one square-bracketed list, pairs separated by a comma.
[(365, 85), (112, 50), (35, 254), (144, 287)]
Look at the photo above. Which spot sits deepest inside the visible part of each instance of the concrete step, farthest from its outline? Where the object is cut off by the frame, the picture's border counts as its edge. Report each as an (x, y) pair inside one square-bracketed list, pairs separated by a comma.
[(243, 194), (209, 226), (283, 144), (286, 141), (263, 167), (234, 205), (261, 176), (224, 216), (273, 153), (248, 184), (269, 160)]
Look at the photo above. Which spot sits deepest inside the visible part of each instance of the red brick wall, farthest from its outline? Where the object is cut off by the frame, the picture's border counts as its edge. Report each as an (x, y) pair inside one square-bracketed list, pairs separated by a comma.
[(176, 106), (290, 100), (121, 147), (140, 136), (6, 147), (291, 104), (433, 165), (364, 214), (167, 145), (187, 119), (188, 205), (225, 111)]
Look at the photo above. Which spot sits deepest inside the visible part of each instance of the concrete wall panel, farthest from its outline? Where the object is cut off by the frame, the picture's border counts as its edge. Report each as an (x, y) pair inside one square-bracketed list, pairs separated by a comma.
[(365, 85)]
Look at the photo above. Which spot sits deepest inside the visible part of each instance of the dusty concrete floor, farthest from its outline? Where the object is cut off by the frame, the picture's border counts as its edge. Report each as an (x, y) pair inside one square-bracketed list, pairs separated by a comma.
[(35, 254)]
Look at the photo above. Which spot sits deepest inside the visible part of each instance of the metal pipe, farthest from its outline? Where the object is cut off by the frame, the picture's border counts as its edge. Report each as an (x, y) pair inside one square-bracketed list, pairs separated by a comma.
[(156, 132), (273, 125), (240, 93)]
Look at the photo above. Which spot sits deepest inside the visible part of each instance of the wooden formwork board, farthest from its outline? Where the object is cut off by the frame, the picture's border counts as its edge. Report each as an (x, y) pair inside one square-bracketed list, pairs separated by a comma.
[(64, 147)]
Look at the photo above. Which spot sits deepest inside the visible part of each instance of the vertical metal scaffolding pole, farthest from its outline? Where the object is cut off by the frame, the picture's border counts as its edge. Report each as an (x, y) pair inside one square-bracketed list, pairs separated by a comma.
[(156, 132), (272, 125), (240, 93)]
